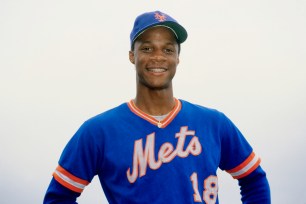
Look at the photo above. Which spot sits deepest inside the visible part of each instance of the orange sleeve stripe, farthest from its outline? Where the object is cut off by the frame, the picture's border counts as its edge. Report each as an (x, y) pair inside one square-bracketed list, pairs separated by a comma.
[(66, 184), (243, 164), (70, 176), (249, 171), (246, 167)]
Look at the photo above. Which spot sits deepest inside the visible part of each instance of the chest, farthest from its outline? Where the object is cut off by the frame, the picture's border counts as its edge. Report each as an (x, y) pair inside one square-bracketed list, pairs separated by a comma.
[(143, 152)]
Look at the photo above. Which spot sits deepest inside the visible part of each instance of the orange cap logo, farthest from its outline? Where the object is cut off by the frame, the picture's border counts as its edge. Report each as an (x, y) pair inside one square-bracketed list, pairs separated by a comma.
[(160, 17)]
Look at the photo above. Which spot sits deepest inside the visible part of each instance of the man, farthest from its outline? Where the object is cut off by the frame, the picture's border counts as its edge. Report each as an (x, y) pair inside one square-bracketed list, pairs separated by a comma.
[(156, 148)]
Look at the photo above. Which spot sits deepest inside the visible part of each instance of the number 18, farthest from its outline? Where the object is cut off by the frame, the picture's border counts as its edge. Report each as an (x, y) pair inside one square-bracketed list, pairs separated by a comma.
[(210, 189)]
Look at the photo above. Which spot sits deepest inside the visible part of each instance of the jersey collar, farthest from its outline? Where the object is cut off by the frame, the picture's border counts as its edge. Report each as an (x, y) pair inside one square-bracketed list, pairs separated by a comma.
[(161, 124)]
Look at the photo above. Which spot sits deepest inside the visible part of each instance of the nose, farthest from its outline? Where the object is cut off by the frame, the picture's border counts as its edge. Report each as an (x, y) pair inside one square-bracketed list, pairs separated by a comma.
[(158, 55)]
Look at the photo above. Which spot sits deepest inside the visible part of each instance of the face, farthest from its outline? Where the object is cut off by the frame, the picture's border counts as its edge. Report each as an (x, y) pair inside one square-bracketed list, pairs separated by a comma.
[(156, 57)]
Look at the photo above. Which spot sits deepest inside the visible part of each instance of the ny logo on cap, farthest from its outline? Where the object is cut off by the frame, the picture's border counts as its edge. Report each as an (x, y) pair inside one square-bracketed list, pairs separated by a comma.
[(160, 17)]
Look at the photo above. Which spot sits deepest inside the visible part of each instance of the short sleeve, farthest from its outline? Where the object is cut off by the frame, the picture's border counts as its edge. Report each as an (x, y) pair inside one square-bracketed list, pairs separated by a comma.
[(237, 155), (80, 160)]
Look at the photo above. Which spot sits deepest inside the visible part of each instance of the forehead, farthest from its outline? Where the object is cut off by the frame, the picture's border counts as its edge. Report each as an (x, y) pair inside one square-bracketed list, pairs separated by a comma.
[(157, 33)]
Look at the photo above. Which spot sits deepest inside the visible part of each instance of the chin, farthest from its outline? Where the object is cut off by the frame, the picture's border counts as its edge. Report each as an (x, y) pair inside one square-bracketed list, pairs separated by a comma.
[(159, 87)]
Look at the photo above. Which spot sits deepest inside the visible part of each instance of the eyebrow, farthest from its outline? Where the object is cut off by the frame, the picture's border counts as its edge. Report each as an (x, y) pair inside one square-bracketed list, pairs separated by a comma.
[(150, 42)]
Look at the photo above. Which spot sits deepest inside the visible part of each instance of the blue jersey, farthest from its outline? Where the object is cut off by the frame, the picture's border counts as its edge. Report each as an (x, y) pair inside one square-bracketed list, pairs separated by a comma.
[(139, 159)]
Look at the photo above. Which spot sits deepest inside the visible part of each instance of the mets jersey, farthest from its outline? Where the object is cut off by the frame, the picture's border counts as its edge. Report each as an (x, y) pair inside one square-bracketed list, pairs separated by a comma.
[(139, 159)]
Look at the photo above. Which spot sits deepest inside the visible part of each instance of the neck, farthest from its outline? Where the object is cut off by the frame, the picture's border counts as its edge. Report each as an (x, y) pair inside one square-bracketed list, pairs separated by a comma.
[(155, 103)]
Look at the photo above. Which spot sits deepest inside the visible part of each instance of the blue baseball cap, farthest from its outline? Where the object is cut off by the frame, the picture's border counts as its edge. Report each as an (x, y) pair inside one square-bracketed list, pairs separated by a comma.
[(157, 18)]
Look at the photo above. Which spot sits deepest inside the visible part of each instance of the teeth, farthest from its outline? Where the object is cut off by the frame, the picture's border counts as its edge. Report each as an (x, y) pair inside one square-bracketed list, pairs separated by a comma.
[(157, 70)]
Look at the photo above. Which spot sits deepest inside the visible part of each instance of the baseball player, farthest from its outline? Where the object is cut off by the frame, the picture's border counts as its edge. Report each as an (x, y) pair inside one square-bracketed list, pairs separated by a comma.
[(156, 148)]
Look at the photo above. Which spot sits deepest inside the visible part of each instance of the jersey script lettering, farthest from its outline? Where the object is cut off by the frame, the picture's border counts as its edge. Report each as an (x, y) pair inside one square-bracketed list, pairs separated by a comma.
[(143, 158)]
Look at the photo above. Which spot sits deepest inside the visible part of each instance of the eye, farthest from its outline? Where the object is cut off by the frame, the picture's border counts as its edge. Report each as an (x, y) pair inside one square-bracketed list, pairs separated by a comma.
[(146, 49), (169, 51)]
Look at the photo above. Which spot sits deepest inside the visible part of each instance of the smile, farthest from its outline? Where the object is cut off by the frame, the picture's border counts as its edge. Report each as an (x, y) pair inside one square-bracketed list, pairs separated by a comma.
[(157, 70)]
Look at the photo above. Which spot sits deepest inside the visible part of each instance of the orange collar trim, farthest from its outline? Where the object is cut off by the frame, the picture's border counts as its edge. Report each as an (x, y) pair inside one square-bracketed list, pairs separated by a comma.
[(161, 124)]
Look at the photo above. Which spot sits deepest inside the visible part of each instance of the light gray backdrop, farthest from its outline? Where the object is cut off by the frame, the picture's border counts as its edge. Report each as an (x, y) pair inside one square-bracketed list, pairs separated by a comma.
[(63, 61)]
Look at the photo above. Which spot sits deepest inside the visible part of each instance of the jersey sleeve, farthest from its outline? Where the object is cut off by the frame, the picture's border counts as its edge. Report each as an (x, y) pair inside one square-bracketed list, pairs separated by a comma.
[(57, 193), (80, 160), (255, 188), (237, 156)]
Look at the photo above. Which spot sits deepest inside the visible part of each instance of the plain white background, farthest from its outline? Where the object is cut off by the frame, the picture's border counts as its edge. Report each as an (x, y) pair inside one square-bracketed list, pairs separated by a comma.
[(62, 62)]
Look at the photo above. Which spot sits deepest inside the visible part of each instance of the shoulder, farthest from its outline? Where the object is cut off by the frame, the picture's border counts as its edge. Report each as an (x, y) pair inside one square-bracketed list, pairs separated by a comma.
[(205, 115), (107, 117), (201, 110)]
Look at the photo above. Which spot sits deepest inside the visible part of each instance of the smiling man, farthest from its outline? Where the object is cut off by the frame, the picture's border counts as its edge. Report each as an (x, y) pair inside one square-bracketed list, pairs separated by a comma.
[(157, 148)]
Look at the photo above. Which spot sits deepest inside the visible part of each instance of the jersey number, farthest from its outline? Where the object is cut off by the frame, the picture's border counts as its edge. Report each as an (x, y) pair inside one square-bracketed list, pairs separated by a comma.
[(210, 189)]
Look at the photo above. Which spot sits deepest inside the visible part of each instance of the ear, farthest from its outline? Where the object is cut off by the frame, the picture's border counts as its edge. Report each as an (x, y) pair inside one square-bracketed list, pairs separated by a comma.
[(132, 57)]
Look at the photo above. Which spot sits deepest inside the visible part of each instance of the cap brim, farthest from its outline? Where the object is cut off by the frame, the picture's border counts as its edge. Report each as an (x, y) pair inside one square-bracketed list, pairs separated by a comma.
[(179, 30)]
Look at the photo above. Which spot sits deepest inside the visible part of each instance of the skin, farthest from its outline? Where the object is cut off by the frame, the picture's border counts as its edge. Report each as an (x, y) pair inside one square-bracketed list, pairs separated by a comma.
[(156, 57)]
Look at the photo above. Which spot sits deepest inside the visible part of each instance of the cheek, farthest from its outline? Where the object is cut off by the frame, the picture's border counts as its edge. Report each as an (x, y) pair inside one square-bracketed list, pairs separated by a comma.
[(139, 60), (175, 61)]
